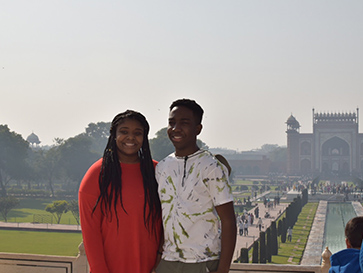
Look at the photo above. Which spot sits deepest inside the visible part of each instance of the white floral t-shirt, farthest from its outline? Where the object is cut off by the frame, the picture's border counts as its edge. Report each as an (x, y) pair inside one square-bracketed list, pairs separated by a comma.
[(190, 188)]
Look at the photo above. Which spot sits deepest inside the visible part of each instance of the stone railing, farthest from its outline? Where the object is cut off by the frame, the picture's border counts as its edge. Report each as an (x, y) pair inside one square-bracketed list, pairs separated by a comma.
[(274, 268), (29, 263)]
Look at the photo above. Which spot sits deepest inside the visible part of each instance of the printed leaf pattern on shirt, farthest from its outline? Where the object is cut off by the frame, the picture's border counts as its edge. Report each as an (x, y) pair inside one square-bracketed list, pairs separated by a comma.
[(192, 203)]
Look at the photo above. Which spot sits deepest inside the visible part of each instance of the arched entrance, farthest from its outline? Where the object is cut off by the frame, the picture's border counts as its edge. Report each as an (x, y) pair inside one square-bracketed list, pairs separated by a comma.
[(335, 157), (305, 166)]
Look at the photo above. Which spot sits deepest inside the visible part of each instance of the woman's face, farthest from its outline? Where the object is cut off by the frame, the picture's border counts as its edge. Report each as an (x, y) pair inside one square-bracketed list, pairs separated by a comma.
[(129, 138)]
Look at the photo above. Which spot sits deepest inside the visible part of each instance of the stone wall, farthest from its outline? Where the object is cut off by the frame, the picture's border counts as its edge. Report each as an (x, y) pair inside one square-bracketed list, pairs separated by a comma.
[(28, 263)]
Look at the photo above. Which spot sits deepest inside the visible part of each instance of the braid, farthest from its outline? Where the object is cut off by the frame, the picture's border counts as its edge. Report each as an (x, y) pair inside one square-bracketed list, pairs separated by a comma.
[(110, 183), (151, 196)]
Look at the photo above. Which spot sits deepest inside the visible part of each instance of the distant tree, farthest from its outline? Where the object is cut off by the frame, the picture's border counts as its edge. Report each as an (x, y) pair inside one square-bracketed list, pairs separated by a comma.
[(358, 182), (262, 247), (222, 151), (57, 208), (255, 252), (304, 197), (31, 174), (46, 165), (6, 205), (99, 133), (299, 206), (268, 245), (244, 255), (243, 188), (13, 154), (232, 177), (161, 145), (279, 154), (276, 154), (315, 182), (279, 228), (73, 207), (288, 216), (274, 241), (284, 230), (76, 156), (267, 148)]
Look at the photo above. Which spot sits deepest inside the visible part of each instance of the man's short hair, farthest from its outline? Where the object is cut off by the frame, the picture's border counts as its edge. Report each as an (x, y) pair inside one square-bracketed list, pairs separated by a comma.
[(354, 231), (192, 105)]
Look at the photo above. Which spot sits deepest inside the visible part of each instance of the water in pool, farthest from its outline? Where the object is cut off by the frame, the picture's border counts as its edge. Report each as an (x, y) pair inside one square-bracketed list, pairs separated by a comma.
[(338, 215)]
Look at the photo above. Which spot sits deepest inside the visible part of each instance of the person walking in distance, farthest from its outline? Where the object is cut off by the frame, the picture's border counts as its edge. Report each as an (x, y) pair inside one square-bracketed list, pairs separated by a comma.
[(240, 226), (259, 223), (289, 234), (246, 227)]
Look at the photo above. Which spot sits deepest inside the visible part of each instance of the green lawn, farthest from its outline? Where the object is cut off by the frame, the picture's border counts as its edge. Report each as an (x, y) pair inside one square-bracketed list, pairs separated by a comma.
[(66, 244), (24, 212), (249, 184), (34, 242), (291, 252), (244, 182)]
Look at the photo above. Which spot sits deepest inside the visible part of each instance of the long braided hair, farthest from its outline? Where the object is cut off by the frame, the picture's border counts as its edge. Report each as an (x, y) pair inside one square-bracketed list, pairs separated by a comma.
[(110, 182)]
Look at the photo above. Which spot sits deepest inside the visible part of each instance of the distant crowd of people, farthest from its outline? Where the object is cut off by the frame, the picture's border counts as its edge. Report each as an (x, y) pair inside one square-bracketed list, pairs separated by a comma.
[(334, 188), (244, 221), (271, 204)]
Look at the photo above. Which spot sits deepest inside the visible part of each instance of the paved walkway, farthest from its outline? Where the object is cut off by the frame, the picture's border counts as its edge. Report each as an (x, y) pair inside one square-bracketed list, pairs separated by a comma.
[(253, 231), (40, 227), (314, 245)]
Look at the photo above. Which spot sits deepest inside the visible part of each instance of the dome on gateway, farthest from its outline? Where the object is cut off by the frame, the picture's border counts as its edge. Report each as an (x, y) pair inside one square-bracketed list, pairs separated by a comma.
[(33, 139)]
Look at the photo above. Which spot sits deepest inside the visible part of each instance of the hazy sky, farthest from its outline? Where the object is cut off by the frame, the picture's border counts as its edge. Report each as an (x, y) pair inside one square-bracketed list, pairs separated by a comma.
[(250, 64)]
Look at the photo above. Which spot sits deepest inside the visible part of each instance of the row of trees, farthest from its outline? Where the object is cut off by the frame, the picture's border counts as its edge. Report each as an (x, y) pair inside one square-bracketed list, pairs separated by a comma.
[(267, 244), (23, 165), (64, 163)]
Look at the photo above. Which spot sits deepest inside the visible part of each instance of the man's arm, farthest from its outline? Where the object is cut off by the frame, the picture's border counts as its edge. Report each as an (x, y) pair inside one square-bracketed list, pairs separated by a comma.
[(228, 236), (159, 252)]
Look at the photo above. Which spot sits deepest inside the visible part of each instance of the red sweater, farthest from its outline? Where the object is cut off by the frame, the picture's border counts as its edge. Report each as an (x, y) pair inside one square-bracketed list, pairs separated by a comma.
[(111, 249)]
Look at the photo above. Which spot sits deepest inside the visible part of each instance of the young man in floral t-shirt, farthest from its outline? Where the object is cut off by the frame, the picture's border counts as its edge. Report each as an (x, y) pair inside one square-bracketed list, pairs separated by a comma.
[(197, 202)]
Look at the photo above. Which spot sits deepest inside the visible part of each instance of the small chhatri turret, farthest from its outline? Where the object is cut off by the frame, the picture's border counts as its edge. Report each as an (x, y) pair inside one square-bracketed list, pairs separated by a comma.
[(292, 124), (33, 139)]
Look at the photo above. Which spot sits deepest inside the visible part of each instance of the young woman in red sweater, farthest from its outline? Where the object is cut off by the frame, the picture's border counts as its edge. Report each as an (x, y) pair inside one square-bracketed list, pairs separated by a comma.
[(119, 204)]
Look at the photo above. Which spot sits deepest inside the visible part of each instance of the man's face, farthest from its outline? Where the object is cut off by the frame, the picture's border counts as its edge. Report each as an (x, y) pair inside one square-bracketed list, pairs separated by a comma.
[(183, 130)]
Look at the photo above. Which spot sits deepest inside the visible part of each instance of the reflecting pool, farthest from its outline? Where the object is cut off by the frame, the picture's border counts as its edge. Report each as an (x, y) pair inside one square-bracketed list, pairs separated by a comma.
[(338, 214)]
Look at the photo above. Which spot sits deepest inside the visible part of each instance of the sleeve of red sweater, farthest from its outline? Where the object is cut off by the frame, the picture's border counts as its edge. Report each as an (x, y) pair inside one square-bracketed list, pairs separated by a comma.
[(91, 222)]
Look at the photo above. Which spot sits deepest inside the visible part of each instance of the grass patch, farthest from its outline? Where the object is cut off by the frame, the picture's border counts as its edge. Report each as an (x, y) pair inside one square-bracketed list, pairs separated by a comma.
[(244, 182), (37, 242), (24, 212), (291, 252), (45, 243)]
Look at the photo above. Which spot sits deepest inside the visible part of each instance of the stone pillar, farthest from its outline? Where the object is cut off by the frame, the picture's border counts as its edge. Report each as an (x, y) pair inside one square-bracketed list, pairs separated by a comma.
[(325, 262), (80, 265)]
